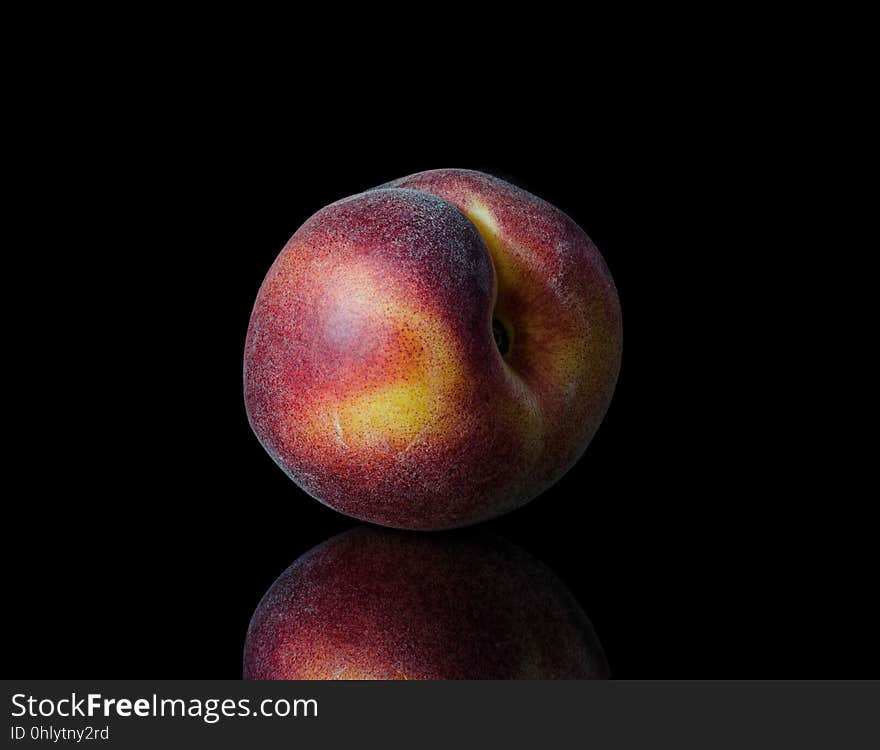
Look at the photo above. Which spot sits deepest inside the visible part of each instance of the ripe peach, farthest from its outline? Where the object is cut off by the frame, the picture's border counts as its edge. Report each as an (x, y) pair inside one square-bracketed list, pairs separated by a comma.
[(379, 604), (433, 352)]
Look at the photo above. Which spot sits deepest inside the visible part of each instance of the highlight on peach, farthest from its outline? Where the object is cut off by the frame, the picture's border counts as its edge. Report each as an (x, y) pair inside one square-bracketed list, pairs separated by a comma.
[(433, 352), (375, 604)]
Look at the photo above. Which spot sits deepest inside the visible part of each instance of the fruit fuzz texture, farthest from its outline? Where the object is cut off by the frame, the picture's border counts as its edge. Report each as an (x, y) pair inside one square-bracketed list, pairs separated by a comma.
[(433, 352), (378, 604)]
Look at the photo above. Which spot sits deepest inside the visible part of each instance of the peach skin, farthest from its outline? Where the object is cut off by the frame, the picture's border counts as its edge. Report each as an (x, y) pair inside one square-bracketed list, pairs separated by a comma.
[(387, 605), (433, 352)]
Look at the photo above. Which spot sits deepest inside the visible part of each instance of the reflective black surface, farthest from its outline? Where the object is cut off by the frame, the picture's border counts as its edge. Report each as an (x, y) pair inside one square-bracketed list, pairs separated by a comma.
[(374, 603)]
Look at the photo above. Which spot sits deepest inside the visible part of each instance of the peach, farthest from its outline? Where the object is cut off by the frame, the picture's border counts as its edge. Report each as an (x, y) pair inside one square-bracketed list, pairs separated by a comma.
[(377, 604), (433, 352)]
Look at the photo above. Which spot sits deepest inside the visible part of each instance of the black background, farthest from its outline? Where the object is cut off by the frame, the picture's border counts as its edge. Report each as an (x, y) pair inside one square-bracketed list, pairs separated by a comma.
[(152, 521)]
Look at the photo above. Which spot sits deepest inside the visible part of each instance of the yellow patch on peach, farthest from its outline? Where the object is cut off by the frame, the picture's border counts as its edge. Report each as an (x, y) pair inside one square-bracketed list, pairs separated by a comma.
[(506, 271), (567, 361), (397, 413), (413, 397)]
